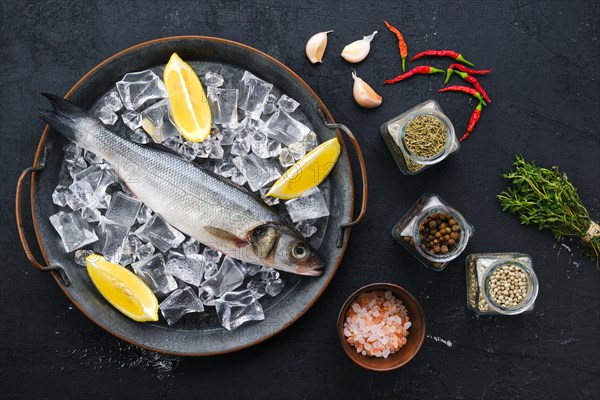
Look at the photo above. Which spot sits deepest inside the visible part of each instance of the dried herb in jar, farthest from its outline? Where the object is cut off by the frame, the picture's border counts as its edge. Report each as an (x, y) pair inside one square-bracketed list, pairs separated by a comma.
[(425, 136)]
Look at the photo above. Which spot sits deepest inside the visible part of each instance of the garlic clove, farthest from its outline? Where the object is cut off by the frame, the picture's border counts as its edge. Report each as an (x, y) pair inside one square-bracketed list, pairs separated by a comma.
[(364, 94), (357, 51), (315, 47)]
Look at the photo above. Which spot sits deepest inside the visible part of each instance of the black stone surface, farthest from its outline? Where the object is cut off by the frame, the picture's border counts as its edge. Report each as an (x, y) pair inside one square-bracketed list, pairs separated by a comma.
[(544, 87)]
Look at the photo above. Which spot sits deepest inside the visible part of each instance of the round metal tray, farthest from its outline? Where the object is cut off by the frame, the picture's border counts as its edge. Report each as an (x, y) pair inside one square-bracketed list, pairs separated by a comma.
[(190, 339)]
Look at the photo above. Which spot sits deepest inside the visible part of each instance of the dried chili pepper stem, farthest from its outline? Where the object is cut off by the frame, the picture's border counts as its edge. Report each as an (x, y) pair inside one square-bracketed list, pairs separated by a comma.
[(442, 53), (465, 89), (474, 118), (401, 44), (475, 84), (420, 70)]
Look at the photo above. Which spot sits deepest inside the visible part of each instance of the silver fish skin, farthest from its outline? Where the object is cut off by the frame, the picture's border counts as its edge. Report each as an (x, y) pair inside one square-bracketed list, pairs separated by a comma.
[(199, 203)]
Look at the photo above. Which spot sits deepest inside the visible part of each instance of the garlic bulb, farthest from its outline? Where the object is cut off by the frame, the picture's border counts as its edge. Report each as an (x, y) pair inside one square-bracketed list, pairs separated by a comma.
[(315, 47), (357, 51), (364, 94)]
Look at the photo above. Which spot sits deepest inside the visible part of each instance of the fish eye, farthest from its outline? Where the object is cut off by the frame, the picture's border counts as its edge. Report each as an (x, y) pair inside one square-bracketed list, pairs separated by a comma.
[(299, 251)]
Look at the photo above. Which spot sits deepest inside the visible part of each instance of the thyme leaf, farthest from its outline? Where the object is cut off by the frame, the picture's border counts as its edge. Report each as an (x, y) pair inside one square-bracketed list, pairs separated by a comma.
[(546, 198)]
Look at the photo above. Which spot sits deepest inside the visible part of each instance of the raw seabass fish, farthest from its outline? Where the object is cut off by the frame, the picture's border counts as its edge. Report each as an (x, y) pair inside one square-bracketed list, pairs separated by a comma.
[(209, 208)]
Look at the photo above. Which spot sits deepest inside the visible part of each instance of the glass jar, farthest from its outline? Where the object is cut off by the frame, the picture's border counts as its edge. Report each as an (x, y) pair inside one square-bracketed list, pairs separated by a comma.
[(480, 272), (406, 232), (394, 132)]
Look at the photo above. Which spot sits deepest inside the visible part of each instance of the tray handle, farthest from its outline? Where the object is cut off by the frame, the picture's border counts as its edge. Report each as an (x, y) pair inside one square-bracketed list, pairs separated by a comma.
[(18, 202), (363, 171)]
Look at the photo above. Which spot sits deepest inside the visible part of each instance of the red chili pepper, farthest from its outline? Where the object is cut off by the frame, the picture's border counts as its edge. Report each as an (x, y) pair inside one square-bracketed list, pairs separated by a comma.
[(474, 118), (401, 44), (475, 84), (423, 69), (464, 89), (442, 53), (462, 68)]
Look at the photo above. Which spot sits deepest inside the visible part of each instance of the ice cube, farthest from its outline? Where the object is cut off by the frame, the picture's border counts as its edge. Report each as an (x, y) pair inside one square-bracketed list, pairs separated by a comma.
[(287, 104), (274, 287), (189, 269), (260, 144), (83, 195), (259, 172), (162, 235), (274, 148), (284, 128), (90, 214), (73, 230), (145, 251), (92, 158), (236, 308), (225, 168), (188, 150), (205, 298), (211, 255), (216, 150), (306, 228), (311, 205), (111, 240), (130, 249), (223, 104), (242, 142), (152, 272), (286, 159), (238, 177), (179, 303), (310, 141), (297, 150), (226, 136), (172, 143), (132, 119), (113, 101), (138, 87), (139, 136), (257, 287), (229, 276), (81, 255), (268, 199), (157, 123), (254, 95), (107, 115), (268, 274), (123, 209), (191, 246), (270, 105), (72, 152), (213, 79), (60, 195), (144, 215), (77, 166), (252, 269)]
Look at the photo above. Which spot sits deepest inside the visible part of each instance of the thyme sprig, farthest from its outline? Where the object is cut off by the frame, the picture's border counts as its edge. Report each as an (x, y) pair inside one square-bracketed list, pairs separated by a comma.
[(546, 198)]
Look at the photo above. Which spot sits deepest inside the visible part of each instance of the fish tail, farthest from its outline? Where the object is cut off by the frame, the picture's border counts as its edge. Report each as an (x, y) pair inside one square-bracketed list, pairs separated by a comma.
[(64, 116)]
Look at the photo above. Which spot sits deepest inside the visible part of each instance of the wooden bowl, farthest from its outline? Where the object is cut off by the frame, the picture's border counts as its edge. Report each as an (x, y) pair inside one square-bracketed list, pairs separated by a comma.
[(415, 336)]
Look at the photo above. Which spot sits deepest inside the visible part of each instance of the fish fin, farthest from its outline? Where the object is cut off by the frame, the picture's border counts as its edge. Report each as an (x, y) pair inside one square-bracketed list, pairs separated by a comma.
[(228, 237), (63, 116), (264, 239)]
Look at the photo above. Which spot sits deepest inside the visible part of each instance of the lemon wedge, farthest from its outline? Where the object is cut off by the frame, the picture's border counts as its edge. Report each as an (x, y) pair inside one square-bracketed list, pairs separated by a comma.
[(123, 289), (189, 107), (308, 172)]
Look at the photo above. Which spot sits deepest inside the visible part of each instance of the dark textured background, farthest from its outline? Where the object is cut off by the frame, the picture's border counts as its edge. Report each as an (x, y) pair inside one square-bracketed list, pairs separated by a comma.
[(545, 88)]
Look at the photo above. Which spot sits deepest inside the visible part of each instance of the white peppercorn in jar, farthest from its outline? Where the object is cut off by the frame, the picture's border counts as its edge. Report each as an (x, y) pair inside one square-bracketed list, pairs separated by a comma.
[(501, 283)]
